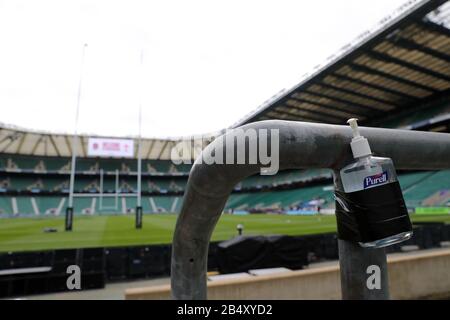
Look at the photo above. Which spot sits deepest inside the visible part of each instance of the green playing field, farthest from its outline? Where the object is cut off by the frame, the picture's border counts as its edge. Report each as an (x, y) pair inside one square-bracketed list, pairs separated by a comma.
[(20, 234)]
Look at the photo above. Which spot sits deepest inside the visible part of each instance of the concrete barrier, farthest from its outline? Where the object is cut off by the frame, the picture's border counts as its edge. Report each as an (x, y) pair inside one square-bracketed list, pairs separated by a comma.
[(422, 274)]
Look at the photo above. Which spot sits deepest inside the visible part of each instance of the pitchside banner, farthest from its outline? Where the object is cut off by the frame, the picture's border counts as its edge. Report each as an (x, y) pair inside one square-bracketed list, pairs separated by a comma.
[(101, 147)]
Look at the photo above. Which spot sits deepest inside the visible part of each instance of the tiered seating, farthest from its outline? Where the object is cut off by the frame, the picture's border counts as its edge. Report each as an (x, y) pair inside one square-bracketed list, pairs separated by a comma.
[(161, 166), (108, 205), (57, 164), (174, 186), (65, 168), (24, 163), (82, 205), (92, 186), (55, 184), (410, 179), (5, 183), (145, 203), (24, 205), (48, 204), (36, 185), (131, 203), (164, 186), (51, 164), (440, 198), (284, 177), (418, 188), (40, 167), (281, 199), (417, 116), (150, 186), (128, 185), (184, 167), (164, 204), (5, 205), (150, 168), (434, 183), (109, 185), (10, 165), (41, 174), (22, 183)]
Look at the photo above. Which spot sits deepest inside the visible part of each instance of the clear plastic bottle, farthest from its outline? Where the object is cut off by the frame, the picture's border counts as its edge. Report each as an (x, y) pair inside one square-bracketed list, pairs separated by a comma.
[(369, 172)]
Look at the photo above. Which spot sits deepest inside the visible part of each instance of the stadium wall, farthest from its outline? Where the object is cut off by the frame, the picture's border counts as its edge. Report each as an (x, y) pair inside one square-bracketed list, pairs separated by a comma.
[(423, 274)]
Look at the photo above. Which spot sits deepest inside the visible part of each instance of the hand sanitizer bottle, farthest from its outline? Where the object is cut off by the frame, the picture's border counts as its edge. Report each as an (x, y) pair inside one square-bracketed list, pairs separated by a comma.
[(372, 190)]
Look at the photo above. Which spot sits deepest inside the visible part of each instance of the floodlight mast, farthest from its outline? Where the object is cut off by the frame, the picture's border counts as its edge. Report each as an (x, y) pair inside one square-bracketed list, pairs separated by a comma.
[(302, 145)]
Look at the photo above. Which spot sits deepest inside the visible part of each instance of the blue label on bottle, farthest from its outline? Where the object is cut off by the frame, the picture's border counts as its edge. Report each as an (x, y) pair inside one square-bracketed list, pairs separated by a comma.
[(375, 180)]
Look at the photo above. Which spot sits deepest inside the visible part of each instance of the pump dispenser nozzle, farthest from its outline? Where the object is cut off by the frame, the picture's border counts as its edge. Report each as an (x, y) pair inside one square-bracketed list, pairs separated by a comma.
[(360, 145), (353, 122)]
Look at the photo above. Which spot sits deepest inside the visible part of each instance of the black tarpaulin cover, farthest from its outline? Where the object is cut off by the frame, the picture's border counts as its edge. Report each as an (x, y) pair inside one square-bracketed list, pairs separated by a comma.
[(244, 253)]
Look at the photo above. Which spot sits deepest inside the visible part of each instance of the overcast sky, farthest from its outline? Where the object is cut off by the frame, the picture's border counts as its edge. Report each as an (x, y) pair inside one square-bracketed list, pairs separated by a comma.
[(205, 63)]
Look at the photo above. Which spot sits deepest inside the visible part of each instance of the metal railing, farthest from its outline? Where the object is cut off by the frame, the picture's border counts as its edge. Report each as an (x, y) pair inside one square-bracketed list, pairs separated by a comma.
[(301, 146)]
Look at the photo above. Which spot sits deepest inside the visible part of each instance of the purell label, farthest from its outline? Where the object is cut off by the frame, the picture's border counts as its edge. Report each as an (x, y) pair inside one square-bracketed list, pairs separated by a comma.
[(375, 180)]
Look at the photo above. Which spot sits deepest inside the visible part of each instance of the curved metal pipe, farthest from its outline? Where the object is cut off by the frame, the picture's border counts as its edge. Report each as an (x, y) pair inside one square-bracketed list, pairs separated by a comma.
[(301, 145)]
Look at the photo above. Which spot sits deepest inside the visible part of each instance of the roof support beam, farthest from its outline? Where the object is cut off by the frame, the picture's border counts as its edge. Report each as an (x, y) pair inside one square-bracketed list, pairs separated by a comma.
[(350, 110), (390, 59), (52, 140), (434, 27), (150, 148), (308, 114), (361, 95), (390, 76), (162, 149), (375, 86), (136, 150), (411, 45), (399, 23), (286, 116), (316, 112), (22, 140), (69, 146), (349, 103), (10, 137), (38, 141), (83, 145), (12, 140)]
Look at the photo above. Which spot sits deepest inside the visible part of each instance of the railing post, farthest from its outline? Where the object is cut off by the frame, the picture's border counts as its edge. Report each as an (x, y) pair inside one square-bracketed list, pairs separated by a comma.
[(354, 262)]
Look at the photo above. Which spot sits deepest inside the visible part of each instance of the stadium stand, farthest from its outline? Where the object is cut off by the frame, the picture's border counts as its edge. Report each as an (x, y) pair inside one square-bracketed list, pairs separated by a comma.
[(396, 76), (420, 189), (433, 190), (39, 186)]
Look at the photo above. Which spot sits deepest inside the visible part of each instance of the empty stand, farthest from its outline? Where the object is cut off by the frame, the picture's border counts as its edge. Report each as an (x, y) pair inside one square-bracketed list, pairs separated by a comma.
[(39, 185), (22, 163)]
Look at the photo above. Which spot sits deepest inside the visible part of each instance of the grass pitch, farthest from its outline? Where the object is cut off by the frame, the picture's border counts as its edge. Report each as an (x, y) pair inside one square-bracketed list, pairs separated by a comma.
[(25, 234)]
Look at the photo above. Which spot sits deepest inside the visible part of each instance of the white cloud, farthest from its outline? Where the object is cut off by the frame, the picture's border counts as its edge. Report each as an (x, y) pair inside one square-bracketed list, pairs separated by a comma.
[(206, 63)]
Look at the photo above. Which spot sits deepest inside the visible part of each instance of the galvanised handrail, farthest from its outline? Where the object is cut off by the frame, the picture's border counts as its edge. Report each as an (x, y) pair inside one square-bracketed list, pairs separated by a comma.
[(301, 146)]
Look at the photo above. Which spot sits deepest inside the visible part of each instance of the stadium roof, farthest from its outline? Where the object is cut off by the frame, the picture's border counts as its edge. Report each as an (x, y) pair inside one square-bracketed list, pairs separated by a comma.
[(17, 140), (402, 65)]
